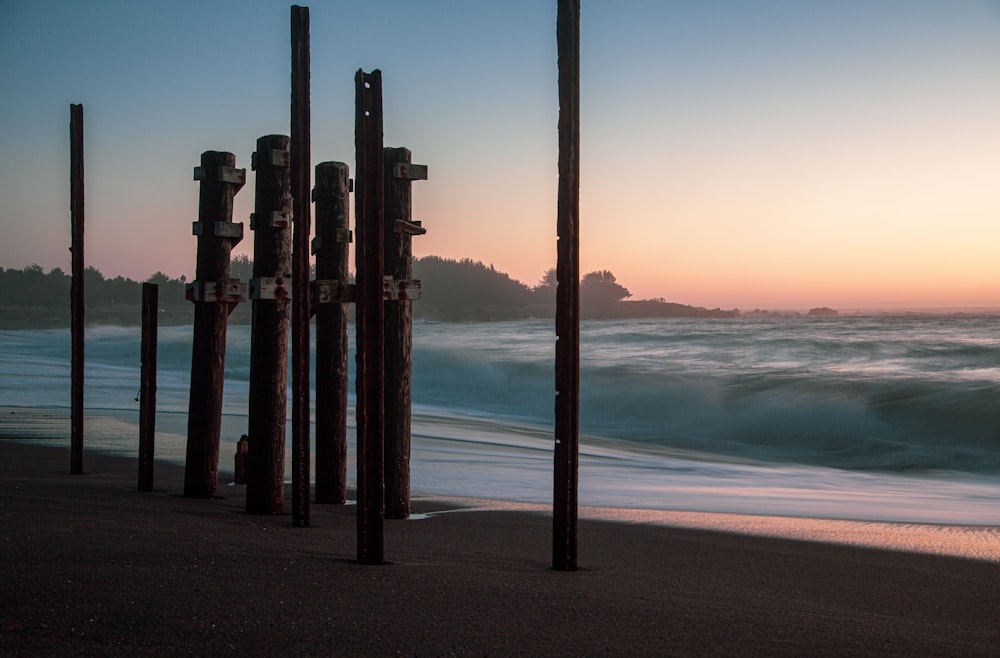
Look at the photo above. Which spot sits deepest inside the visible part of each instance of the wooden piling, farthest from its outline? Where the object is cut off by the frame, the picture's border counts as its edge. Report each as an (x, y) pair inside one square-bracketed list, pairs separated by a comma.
[(212, 292), (369, 313), (333, 236), (399, 230), (77, 303), (300, 165), (270, 292), (147, 385), (567, 437)]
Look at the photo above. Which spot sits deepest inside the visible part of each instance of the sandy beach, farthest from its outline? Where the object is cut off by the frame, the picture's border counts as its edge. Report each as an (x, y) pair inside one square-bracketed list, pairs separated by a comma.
[(93, 567)]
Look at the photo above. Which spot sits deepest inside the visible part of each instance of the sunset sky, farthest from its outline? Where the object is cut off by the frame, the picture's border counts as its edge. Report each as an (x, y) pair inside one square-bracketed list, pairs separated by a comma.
[(779, 154)]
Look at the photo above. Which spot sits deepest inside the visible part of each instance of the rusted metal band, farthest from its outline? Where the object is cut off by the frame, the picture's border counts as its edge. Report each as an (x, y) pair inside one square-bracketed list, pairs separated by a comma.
[(232, 292), (332, 291), (270, 288)]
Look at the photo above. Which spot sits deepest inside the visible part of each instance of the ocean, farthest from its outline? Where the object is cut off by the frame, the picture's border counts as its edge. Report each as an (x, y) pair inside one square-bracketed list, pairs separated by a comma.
[(878, 418)]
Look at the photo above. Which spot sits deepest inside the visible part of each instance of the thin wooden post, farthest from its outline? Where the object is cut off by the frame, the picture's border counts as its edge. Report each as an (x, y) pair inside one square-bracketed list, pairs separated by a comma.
[(399, 228), (567, 436), (333, 236), (147, 385), (300, 166), (370, 316), (270, 292), (77, 303), (213, 293)]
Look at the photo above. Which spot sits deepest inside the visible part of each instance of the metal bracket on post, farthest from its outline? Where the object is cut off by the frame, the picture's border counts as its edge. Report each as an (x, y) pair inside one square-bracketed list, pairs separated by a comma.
[(223, 175), (278, 158), (276, 219), (232, 292), (408, 171), (331, 291), (271, 287), (229, 230), (409, 228), (403, 290)]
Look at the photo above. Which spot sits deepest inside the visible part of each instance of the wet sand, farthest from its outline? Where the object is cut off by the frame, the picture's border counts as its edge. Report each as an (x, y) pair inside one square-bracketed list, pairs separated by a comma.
[(93, 567)]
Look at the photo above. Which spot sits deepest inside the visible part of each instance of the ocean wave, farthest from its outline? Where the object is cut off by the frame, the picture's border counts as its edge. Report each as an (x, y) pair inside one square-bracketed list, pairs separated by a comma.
[(898, 394)]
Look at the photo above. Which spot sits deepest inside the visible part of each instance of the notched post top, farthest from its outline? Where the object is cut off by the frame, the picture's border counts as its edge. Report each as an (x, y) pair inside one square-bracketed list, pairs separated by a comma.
[(409, 171), (275, 219), (222, 175), (232, 291), (276, 158), (409, 228)]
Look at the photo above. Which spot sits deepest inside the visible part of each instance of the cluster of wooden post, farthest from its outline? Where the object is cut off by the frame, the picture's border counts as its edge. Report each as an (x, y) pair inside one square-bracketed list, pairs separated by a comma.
[(271, 293), (282, 299), (384, 271)]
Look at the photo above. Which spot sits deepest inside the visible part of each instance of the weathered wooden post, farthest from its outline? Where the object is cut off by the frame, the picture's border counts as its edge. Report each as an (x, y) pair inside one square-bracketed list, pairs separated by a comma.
[(147, 385), (77, 303), (270, 289), (299, 156), (399, 228), (213, 293), (331, 295), (567, 436), (369, 313)]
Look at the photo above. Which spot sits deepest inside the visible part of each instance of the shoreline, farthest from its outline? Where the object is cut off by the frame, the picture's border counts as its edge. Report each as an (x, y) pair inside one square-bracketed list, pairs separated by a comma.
[(97, 568), (964, 540)]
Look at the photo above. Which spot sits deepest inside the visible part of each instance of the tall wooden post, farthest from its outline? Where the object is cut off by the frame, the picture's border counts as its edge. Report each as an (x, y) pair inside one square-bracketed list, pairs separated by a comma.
[(270, 289), (300, 166), (399, 228), (370, 316), (333, 235), (147, 385), (77, 303), (212, 293), (567, 436)]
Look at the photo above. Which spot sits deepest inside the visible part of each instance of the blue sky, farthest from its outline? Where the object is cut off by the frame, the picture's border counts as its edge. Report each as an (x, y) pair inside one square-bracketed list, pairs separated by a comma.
[(778, 154)]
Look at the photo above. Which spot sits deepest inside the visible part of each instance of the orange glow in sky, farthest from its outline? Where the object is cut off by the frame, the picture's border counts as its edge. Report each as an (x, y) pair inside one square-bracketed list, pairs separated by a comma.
[(751, 155)]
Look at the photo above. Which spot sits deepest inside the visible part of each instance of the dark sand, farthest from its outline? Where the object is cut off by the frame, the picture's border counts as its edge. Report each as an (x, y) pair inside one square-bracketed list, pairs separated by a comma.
[(92, 567)]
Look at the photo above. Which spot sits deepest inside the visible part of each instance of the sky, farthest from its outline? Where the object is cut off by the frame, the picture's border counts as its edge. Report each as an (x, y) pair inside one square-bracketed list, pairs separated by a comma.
[(783, 154)]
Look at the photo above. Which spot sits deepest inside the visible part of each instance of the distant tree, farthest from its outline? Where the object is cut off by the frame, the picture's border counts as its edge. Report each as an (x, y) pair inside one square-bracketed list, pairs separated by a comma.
[(549, 280), (32, 287), (545, 289), (241, 267), (170, 291), (467, 289), (600, 292), (158, 279)]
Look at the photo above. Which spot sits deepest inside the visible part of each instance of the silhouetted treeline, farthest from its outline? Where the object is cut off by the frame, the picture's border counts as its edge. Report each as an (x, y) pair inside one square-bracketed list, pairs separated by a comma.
[(452, 291), (465, 290), (34, 298)]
